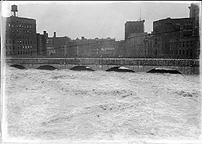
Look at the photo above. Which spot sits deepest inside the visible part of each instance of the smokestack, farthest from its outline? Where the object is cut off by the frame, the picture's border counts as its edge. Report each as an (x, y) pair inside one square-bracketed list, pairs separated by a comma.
[(45, 34)]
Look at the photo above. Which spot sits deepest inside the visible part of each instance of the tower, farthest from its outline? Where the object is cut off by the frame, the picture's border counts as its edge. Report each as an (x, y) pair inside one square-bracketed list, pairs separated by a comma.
[(132, 27), (14, 10)]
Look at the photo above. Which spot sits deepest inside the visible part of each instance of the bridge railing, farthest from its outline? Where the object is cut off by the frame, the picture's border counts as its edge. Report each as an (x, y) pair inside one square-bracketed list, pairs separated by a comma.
[(106, 61)]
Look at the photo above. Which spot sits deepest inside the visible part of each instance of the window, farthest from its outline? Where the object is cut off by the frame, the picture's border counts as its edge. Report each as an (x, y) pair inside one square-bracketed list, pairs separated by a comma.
[(191, 43), (190, 52)]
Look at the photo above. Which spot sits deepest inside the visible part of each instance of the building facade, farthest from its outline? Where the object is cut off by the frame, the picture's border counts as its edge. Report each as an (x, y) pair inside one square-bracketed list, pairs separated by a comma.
[(194, 10), (135, 46), (56, 46), (93, 48), (20, 37), (133, 27), (41, 44), (175, 38)]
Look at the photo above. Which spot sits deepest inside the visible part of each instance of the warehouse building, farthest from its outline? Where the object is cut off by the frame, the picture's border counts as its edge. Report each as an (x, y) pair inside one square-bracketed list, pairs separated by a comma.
[(20, 35)]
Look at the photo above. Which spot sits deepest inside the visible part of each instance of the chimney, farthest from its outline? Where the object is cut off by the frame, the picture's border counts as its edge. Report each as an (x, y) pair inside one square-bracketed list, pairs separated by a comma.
[(45, 34), (54, 34)]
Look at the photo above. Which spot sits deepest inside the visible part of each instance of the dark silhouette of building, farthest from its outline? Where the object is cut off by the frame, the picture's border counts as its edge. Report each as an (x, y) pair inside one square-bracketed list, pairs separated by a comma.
[(41, 44), (135, 44), (133, 27), (175, 38), (20, 35), (194, 11)]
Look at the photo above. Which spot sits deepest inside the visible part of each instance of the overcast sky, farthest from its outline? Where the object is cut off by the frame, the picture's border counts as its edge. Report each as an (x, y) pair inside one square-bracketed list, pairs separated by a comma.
[(95, 19)]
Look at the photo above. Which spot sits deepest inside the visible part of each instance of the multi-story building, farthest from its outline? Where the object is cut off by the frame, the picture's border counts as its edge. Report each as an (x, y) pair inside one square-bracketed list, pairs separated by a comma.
[(120, 52), (95, 47), (107, 47), (56, 45), (20, 36), (135, 45), (174, 38), (149, 48), (70, 49), (41, 44), (133, 27), (194, 11)]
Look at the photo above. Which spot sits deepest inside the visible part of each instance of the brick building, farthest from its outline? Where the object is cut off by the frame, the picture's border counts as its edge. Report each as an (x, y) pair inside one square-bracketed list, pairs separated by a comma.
[(41, 44), (133, 27), (151, 52), (135, 45), (194, 10), (20, 36), (175, 38), (56, 46), (96, 47)]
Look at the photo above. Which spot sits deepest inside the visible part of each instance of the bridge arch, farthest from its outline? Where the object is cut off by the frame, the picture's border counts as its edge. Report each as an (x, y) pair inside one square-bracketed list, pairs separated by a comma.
[(18, 66), (47, 67), (119, 69), (164, 70), (81, 68)]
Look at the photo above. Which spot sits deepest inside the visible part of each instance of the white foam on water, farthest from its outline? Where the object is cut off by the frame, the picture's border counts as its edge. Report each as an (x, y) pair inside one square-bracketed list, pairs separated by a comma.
[(101, 106)]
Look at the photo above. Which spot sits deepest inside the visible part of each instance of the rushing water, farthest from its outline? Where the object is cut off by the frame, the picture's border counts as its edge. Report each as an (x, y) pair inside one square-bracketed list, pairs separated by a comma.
[(64, 104)]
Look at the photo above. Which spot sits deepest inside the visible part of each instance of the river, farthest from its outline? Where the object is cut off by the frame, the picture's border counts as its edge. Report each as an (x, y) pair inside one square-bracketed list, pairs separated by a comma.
[(69, 105)]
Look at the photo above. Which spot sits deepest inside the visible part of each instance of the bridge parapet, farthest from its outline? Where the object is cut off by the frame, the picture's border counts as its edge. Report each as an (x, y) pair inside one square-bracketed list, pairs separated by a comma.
[(107, 61)]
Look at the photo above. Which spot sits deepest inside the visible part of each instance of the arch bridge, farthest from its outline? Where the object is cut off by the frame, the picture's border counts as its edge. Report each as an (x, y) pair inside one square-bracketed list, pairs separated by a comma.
[(185, 66)]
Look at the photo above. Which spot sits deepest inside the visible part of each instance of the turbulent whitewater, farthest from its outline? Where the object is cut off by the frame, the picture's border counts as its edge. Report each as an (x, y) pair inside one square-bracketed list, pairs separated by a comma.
[(99, 105)]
